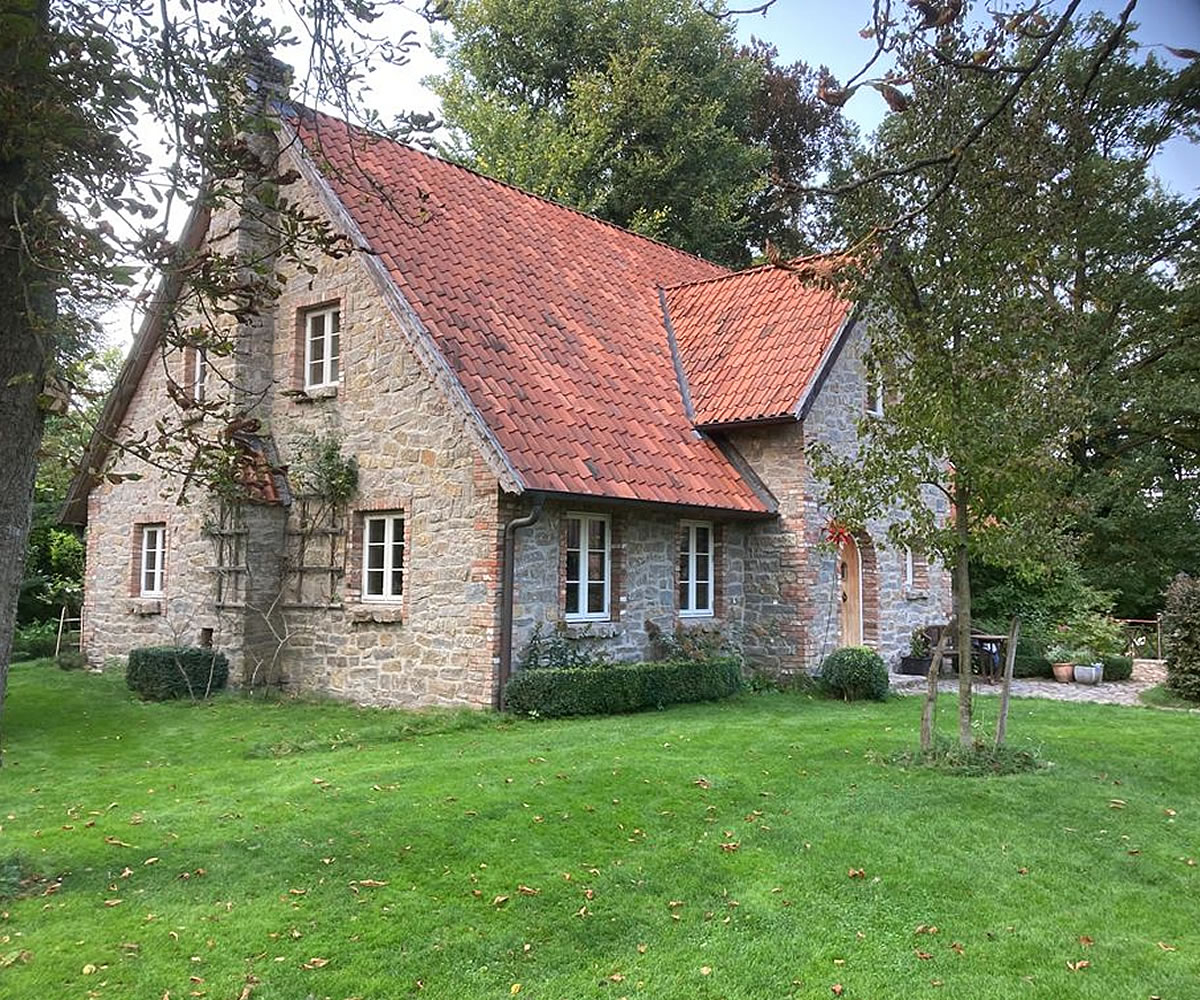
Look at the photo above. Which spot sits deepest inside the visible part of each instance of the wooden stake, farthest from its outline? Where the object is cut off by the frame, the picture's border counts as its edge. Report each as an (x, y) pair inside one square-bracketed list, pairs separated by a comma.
[(1010, 658), (929, 710)]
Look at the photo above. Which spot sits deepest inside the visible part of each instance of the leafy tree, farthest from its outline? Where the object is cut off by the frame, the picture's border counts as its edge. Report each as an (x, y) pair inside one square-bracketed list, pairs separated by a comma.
[(643, 112), (81, 212), (1015, 289)]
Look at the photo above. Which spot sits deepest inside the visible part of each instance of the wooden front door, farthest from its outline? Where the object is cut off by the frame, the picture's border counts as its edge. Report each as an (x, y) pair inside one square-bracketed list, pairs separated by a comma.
[(849, 571)]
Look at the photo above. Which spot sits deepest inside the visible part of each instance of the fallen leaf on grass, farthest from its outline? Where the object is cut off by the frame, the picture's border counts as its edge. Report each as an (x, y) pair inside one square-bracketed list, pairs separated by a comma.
[(13, 957), (617, 977), (702, 783), (315, 963), (370, 883), (112, 902), (836, 989), (1022, 871), (1086, 941), (641, 949), (150, 861), (499, 901), (526, 890), (1167, 947), (1169, 812), (1079, 966), (515, 989), (1117, 803), (924, 956), (115, 842), (957, 948), (856, 873), (730, 846), (923, 929), (705, 970)]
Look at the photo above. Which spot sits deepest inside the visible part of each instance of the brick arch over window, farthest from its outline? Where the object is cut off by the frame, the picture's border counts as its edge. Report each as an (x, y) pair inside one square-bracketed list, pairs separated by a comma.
[(870, 588)]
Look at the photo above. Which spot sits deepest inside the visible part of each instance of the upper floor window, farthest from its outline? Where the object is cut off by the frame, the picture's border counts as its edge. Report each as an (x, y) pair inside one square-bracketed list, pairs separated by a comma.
[(874, 403), (910, 568), (383, 557), (153, 560), (589, 567), (322, 347), (696, 569), (200, 375)]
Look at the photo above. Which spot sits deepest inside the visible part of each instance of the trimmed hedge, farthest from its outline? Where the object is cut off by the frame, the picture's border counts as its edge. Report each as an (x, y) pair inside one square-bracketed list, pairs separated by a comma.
[(1117, 668), (621, 687), (1181, 637), (854, 673), (159, 673)]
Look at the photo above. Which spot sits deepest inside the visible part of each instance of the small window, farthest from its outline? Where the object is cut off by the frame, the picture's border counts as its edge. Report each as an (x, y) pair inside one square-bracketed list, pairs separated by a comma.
[(874, 403), (200, 375), (696, 569), (322, 347), (589, 567), (383, 557), (909, 568), (154, 555)]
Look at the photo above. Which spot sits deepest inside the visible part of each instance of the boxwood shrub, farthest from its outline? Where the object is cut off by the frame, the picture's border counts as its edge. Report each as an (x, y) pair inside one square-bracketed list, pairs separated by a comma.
[(854, 673), (1181, 636), (158, 673), (1117, 668), (621, 687)]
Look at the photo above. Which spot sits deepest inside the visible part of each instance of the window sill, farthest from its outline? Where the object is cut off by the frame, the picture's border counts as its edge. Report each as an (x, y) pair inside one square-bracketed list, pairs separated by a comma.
[(590, 629), (379, 614), (696, 616), (914, 594), (315, 393), (144, 606)]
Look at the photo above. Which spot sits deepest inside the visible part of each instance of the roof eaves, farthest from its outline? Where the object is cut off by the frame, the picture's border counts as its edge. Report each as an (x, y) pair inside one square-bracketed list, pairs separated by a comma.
[(104, 436), (828, 360), (746, 471), (417, 334)]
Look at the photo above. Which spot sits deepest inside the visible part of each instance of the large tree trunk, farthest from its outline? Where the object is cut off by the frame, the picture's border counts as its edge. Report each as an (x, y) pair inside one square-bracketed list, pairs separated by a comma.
[(962, 608), (27, 297)]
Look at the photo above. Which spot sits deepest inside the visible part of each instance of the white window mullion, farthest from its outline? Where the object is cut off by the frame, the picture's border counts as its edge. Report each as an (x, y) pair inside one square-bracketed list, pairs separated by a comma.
[(581, 547), (322, 347), (383, 558), (151, 568), (693, 601)]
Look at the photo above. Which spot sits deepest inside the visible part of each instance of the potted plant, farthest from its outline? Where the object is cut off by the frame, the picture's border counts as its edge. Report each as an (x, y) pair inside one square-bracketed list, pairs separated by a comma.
[(919, 657), (1062, 662), (1087, 667)]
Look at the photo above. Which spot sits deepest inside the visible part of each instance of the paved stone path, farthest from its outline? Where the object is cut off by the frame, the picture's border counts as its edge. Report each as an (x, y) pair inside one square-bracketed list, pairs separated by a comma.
[(1146, 673)]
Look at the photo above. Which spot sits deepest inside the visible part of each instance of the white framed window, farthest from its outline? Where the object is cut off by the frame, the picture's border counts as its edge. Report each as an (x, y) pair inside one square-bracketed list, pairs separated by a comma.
[(153, 560), (383, 557), (322, 347), (199, 374), (910, 568), (874, 403), (696, 569), (589, 567)]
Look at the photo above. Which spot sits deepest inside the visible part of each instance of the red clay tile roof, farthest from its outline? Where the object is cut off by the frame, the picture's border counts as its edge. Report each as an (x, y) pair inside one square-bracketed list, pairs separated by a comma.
[(550, 319), (750, 342)]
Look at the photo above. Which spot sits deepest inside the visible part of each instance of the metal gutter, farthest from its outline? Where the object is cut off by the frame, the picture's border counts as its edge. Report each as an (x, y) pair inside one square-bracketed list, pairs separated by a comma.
[(506, 593)]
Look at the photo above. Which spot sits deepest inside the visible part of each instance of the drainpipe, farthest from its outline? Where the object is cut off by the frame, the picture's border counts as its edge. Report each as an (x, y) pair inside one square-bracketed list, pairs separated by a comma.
[(506, 593)]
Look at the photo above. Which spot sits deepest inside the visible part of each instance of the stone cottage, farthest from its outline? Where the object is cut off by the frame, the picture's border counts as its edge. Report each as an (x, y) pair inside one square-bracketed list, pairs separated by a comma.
[(552, 420)]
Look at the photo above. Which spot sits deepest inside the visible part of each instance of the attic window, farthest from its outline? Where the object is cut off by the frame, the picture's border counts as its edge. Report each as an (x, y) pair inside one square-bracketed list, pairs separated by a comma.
[(200, 375), (322, 347)]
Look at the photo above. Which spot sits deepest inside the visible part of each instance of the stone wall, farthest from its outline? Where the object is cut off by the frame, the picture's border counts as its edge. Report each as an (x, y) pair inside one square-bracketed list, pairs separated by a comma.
[(891, 611), (415, 454), (645, 556)]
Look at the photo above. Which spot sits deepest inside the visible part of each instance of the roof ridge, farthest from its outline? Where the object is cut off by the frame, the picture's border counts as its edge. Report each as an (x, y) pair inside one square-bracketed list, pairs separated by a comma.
[(443, 161)]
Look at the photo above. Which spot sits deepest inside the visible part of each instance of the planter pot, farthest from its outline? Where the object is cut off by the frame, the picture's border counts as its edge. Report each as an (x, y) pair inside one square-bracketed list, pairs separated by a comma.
[(1064, 673), (1090, 673), (917, 666)]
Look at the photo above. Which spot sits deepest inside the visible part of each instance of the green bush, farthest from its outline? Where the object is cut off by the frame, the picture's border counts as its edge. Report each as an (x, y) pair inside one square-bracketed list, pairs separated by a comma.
[(855, 673), (620, 687), (1181, 636), (158, 673), (1117, 668), (563, 648), (32, 642)]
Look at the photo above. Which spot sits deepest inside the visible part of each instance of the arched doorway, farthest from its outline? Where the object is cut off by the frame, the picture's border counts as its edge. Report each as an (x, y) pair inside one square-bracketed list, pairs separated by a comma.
[(849, 571)]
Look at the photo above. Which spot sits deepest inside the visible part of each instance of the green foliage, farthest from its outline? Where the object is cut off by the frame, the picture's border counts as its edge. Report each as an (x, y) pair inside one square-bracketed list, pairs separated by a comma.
[(643, 112), (32, 642), (619, 688), (565, 648), (855, 673), (320, 469), (695, 643), (70, 659), (1116, 667), (159, 673), (1097, 633), (1031, 659), (1181, 637), (919, 644), (980, 760)]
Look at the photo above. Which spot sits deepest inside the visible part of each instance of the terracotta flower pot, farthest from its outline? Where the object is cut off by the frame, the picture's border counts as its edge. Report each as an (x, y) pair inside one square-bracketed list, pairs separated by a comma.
[(1064, 673)]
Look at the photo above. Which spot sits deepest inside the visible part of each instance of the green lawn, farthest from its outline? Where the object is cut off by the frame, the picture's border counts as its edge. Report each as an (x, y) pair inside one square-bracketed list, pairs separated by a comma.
[(698, 852)]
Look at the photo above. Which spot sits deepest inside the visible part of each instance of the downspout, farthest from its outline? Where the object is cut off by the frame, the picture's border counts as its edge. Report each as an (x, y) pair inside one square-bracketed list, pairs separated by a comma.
[(506, 593)]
